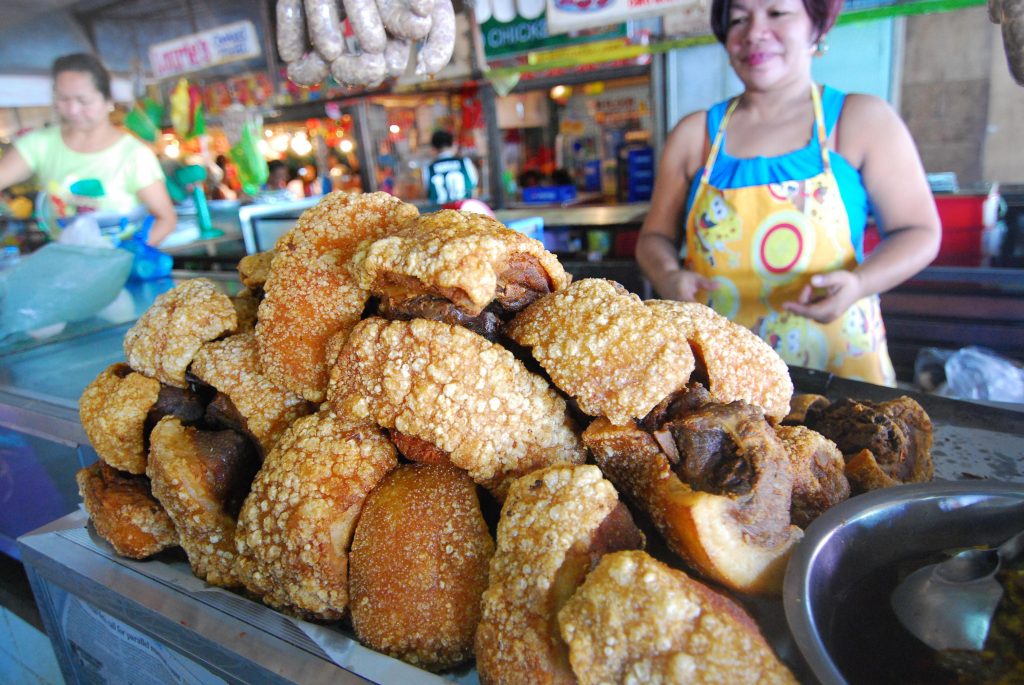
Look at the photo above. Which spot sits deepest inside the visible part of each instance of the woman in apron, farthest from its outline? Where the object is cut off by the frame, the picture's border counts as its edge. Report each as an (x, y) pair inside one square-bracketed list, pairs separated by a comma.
[(772, 190)]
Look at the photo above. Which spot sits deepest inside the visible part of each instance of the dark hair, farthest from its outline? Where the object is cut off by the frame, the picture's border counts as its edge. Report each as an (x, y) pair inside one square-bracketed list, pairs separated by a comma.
[(90, 64), (441, 139), (275, 164), (823, 14)]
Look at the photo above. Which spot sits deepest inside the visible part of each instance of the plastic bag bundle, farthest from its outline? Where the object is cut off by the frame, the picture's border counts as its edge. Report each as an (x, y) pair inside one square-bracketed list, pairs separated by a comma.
[(971, 373), (975, 373), (59, 283)]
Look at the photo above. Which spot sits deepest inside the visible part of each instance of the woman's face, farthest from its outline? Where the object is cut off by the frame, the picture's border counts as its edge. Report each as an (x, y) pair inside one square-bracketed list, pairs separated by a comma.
[(769, 41), (79, 104)]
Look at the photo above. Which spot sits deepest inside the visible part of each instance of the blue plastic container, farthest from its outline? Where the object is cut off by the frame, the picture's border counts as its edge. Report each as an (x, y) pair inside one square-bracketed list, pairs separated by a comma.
[(549, 194)]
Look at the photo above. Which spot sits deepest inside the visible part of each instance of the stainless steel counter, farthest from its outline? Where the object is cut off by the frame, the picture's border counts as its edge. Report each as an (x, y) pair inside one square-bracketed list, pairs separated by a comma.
[(597, 216)]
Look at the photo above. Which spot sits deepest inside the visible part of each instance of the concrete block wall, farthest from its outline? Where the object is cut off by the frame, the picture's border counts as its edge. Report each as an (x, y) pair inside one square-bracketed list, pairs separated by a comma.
[(958, 99), (945, 92)]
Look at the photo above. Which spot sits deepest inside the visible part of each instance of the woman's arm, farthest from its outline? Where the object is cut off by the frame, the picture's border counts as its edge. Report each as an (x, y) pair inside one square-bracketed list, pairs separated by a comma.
[(903, 204), (159, 204), (657, 249), (13, 169)]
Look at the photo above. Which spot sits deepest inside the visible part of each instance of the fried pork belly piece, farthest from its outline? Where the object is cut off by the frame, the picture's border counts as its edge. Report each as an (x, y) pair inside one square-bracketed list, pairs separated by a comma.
[(805, 408), (636, 620), (555, 526), (603, 347), (247, 305), (467, 259), (124, 512), (738, 365), (113, 410), (231, 366), (418, 566), (819, 482), (164, 340), (310, 295), (201, 478), (254, 269), (715, 482), (885, 443), (460, 393), (296, 524)]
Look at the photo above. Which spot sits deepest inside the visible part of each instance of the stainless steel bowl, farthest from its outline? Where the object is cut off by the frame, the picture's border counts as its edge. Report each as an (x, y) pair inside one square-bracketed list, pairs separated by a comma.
[(845, 561)]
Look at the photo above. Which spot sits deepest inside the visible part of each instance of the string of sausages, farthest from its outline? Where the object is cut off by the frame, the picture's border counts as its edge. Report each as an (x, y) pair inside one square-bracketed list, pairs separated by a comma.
[(312, 44)]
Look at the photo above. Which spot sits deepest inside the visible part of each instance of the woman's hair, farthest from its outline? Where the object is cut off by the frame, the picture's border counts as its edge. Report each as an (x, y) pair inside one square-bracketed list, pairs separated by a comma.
[(823, 14), (90, 64)]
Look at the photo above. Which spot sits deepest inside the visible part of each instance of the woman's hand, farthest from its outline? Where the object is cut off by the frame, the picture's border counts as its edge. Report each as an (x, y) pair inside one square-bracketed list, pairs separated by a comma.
[(827, 296), (158, 202), (683, 285)]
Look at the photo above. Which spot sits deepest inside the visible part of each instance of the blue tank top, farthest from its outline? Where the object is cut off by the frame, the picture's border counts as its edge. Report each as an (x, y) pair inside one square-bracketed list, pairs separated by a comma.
[(736, 172)]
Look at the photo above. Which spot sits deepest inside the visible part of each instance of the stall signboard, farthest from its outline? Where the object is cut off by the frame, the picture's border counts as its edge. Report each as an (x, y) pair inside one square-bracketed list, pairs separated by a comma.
[(574, 15), (227, 43), (519, 35), (692, 20)]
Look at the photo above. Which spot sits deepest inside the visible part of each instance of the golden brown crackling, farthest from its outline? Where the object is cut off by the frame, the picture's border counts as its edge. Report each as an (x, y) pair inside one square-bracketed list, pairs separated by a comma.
[(547, 514), (457, 255), (458, 391), (296, 524), (183, 483), (254, 269), (113, 411), (418, 566), (740, 366), (713, 534), (638, 621), (884, 443), (817, 466), (164, 340), (232, 367), (802, 405), (602, 346), (124, 511), (310, 295), (246, 304)]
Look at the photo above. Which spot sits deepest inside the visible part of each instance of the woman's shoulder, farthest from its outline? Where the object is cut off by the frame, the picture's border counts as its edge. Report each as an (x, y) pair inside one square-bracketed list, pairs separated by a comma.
[(686, 140), (40, 136), (689, 124), (131, 142), (867, 123), (863, 108)]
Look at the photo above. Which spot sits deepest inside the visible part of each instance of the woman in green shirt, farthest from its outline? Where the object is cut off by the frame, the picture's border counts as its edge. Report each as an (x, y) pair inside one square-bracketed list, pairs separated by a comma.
[(86, 145)]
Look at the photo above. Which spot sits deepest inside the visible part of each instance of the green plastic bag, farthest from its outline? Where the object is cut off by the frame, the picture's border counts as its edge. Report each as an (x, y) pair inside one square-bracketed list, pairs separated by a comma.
[(252, 168)]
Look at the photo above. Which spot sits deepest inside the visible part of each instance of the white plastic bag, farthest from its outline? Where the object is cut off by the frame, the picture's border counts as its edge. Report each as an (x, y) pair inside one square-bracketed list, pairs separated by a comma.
[(85, 231), (977, 373), (59, 283)]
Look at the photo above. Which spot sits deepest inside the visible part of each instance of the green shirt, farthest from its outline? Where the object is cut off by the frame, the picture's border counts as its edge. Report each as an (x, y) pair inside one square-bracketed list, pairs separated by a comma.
[(124, 168)]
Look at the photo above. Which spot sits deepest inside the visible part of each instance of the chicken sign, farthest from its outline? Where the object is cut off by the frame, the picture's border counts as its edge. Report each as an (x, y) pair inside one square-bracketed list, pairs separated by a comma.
[(572, 15)]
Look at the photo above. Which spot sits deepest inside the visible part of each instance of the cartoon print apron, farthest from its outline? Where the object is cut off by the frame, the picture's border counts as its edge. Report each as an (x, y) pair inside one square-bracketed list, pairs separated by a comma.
[(763, 243)]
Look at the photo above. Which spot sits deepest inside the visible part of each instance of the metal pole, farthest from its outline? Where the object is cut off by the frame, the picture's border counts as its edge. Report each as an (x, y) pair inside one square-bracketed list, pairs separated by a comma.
[(489, 102), (365, 153), (270, 47)]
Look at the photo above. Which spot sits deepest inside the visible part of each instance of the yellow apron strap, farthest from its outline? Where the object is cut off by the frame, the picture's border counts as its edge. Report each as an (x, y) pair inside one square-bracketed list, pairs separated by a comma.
[(819, 124), (717, 144), (819, 127)]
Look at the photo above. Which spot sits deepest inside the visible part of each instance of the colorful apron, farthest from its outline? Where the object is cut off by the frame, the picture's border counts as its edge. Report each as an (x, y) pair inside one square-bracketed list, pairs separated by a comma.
[(763, 243)]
